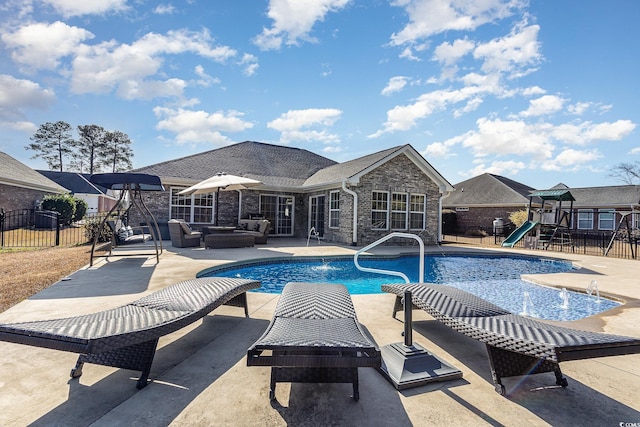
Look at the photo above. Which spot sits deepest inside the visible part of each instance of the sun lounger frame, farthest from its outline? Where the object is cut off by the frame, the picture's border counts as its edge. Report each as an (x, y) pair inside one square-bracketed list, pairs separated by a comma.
[(126, 337), (314, 337), (516, 345)]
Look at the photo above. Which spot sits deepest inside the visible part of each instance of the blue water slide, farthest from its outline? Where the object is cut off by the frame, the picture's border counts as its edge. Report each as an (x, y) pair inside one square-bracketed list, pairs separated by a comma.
[(519, 233)]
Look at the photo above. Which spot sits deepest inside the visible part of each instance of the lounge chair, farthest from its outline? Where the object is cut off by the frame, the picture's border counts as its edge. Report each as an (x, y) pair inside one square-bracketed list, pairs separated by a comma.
[(314, 337), (516, 345), (182, 236), (126, 337)]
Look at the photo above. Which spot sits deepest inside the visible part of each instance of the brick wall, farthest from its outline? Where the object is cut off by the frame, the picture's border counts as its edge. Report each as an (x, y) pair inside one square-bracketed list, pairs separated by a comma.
[(482, 217), (14, 198)]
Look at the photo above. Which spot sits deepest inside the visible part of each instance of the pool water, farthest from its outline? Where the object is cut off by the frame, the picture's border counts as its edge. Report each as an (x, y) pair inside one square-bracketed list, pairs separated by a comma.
[(494, 278)]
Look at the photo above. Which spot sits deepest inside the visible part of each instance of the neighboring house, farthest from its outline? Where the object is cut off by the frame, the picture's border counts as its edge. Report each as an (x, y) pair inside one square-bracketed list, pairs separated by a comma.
[(354, 202), (602, 208), (22, 187), (96, 197), (480, 200)]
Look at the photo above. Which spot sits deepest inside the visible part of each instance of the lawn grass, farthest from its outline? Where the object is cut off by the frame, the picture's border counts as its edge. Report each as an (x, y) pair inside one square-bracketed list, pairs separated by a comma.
[(24, 273)]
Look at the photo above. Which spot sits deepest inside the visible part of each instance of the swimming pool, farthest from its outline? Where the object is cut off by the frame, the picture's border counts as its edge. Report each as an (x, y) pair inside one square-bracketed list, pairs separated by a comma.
[(494, 278)]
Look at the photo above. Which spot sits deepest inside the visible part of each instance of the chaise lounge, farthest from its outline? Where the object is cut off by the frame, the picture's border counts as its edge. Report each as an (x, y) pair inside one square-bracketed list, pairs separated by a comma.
[(314, 337), (516, 345), (126, 337)]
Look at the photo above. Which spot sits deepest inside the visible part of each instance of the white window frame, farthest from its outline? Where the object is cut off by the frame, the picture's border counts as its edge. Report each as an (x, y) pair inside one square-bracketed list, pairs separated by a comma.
[(422, 212), (600, 219), (589, 214), (334, 210), (378, 211), (191, 206), (399, 198)]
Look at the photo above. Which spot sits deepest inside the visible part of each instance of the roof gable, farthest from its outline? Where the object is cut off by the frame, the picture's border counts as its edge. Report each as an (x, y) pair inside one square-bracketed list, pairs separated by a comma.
[(73, 181), (18, 174)]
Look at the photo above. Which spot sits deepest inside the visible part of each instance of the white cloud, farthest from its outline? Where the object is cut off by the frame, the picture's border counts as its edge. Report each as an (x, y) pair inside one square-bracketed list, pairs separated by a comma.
[(137, 89), (293, 125), (69, 8), (533, 91), (508, 168), (164, 9), (395, 84), (570, 160), (196, 127), (429, 17), (581, 133), (205, 79), (635, 150), (293, 20), (515, 55), (103, 67), (449, 53), (250, 62), (42, 45), (547, 104), (16, 95)]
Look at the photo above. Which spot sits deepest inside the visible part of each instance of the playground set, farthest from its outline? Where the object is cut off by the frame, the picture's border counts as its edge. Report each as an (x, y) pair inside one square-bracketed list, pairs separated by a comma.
[(551, 225)]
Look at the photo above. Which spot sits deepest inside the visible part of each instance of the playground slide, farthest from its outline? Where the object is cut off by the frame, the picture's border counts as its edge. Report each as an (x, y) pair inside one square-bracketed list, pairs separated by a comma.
[(519, 233)]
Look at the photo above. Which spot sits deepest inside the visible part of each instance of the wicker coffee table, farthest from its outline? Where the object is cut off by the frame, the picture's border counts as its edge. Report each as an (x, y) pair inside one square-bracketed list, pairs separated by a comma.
[(228, 240)]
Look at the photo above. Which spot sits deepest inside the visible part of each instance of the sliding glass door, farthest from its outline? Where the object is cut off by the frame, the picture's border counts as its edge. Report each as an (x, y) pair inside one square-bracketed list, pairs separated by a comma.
[(278, 210)]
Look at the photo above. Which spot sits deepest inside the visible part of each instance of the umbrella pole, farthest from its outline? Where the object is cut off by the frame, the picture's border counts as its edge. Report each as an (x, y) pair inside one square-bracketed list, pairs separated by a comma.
[(217, 209)]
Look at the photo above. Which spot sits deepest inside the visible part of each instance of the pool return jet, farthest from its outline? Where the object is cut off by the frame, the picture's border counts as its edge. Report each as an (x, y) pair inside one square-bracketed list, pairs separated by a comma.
[(407, 364)]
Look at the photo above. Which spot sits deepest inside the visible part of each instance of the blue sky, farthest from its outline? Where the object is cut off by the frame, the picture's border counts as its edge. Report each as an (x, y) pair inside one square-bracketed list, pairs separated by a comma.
[(541, 92)]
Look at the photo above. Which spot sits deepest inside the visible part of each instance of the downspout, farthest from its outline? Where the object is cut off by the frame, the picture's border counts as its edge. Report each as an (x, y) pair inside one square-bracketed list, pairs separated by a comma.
[(440, 215), (354, 238)]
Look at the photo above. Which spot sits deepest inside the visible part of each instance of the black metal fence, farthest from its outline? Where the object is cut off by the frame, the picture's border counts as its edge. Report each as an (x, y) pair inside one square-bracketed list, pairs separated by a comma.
[(598, 243), (28, 228)]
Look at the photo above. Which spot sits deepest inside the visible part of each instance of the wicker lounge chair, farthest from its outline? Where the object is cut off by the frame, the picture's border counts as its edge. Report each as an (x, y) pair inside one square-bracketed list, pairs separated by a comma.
[(314, 337), (182, 236), (516, 345), (126, 337)]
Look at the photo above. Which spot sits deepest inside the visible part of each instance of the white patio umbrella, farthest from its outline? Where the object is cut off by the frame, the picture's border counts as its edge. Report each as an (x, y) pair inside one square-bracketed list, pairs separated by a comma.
[(220, 182)]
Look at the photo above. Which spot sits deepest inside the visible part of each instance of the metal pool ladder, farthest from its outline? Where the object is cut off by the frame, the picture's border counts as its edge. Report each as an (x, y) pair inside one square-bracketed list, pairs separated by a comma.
[(390, 272)]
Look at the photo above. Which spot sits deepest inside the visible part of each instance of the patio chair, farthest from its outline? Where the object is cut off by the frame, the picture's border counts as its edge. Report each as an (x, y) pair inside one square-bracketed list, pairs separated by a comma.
[(126, 337), (314, 337), (516, 345), (182, 236)]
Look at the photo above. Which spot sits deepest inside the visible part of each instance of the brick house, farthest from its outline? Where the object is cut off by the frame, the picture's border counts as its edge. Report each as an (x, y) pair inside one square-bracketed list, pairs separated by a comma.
[(480, 200), (354, 202), (22, 187)]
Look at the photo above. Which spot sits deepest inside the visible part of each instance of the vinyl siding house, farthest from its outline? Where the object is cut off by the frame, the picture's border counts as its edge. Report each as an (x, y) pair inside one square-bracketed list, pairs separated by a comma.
[(78, 184), (354, 202)]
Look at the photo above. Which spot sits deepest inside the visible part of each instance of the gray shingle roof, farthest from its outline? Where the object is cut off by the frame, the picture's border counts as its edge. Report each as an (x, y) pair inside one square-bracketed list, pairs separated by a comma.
[(274, 165), (489, 189), (73, 181), (617, 195), (13, 172)]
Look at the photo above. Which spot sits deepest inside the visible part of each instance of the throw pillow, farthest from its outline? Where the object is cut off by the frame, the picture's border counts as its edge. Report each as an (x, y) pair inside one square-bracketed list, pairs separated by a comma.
[(185, 228), (129, 231), (256, 227), (123, 234)]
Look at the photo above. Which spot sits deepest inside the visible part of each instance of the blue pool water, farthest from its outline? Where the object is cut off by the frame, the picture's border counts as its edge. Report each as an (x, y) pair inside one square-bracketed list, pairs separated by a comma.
[(494, 278)]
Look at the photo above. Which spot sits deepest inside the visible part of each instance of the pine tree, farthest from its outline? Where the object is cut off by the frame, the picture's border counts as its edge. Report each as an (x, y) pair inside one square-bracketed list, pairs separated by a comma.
[(91, 148), (118, 152), (53, 142)]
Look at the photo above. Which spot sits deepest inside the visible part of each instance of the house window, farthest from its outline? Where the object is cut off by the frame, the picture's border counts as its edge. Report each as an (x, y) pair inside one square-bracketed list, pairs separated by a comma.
[(606, 219), (585, 219), (418, 209), (380, 210), (334, 209), (195, 208), (399, 209)]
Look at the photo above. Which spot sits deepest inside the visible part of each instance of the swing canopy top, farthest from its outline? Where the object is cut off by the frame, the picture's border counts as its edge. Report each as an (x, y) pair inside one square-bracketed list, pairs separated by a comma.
[(127, 180)]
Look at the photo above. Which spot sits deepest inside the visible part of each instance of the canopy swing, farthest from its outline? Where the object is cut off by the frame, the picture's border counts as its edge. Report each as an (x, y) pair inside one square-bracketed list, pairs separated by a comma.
[(131, 186)]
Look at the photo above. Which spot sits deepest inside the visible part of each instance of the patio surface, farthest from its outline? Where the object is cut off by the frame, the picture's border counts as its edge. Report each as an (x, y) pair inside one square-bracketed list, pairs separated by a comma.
[(200, 375)]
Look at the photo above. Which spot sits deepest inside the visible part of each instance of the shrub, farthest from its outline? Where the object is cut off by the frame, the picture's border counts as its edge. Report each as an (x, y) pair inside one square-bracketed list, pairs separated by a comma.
[(91, 228), (64, 204), (518, 217), (81, 209)]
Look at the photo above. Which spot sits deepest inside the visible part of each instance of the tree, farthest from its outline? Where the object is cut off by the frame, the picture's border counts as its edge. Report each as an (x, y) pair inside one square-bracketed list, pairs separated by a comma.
[(118, 151), (91, 148), (628, 173), (53, 142)]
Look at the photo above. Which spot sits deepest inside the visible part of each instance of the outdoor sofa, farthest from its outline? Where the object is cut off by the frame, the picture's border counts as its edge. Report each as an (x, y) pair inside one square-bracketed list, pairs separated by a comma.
[(314, 337), (126, 337), (258, 228), (182, 236), (516, 345)]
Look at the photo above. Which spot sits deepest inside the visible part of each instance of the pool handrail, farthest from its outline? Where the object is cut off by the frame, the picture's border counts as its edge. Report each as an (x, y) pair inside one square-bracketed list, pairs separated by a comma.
[(389, 272)]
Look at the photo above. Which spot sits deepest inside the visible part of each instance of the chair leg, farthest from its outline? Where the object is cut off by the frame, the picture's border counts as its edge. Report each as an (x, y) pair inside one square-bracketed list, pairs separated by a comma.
[(272, 385), (356, 392)]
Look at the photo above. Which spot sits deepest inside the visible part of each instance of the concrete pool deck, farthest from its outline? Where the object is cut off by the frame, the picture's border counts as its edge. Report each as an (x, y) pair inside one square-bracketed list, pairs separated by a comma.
[(200, 375)]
